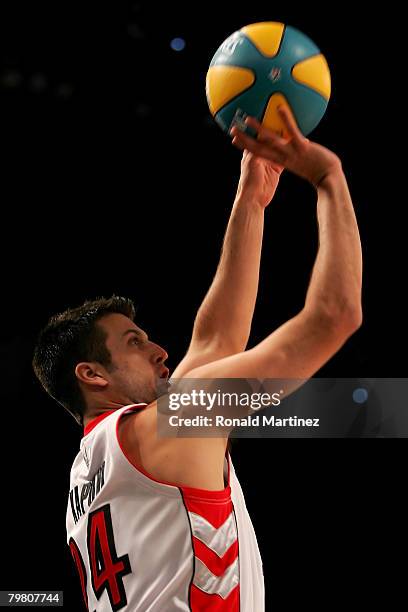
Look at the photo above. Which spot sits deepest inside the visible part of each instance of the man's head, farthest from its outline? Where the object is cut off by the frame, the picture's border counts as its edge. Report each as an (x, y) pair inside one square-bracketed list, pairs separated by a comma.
[(95, 356)]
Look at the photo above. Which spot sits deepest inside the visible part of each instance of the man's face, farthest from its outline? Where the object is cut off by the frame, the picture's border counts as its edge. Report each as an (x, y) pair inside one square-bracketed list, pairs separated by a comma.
[(137, 373)]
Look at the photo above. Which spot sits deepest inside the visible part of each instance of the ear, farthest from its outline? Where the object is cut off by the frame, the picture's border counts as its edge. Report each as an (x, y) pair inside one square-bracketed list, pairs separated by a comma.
[(91, 374)]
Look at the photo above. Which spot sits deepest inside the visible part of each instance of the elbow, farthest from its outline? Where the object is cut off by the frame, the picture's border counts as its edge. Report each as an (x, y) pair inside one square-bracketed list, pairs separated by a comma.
[(347, 321), (356, 318), (344, 321)]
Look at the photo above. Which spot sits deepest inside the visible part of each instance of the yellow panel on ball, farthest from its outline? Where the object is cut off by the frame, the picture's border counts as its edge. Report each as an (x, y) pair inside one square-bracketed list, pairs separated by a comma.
[(224, 83), (272, 118), (266, 36), (314, 72)]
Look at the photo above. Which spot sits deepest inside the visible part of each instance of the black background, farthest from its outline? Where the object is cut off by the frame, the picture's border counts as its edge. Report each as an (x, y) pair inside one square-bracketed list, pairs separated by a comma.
[(115, 179)]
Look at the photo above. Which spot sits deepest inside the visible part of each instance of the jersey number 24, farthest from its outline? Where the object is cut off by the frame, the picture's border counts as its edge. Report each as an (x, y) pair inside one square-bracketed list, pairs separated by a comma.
[(107, 569)]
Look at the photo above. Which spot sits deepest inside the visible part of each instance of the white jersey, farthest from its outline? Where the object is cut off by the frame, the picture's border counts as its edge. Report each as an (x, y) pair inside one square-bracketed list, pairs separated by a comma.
[(141, 545)]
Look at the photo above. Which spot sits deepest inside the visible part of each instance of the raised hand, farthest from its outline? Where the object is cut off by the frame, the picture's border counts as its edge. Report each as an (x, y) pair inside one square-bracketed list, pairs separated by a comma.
[(298, 154)]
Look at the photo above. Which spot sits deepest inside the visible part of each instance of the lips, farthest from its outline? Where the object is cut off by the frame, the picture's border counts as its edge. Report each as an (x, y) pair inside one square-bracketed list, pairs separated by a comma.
[(164, 373)]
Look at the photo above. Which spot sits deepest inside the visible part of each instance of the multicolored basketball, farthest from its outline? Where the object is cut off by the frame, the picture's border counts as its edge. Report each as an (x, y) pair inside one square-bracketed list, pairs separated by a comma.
[(262, 66)]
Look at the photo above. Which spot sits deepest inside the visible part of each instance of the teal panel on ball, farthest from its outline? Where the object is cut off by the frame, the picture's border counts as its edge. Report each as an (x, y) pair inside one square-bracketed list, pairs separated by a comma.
[(296, 47), (308, 107)]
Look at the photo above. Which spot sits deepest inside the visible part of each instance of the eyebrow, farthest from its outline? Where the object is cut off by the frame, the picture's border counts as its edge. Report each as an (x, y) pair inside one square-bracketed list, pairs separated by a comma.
[(137, 332)]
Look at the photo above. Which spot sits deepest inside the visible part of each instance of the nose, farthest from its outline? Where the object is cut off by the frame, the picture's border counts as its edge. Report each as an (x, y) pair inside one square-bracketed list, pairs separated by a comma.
[(159, 355)]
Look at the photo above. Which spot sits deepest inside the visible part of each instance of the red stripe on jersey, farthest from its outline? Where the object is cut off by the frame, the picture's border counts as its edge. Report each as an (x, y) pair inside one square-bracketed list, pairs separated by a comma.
[(215, 510), (215, 524), (95, 421), (202, 602), (102, 416), (215, 564)]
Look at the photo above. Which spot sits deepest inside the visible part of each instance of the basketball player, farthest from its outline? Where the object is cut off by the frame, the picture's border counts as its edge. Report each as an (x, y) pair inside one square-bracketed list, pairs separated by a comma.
[(160, 524)]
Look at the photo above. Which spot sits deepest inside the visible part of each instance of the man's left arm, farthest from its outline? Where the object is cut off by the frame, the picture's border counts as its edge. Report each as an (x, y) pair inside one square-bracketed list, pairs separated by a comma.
[(223, 321)]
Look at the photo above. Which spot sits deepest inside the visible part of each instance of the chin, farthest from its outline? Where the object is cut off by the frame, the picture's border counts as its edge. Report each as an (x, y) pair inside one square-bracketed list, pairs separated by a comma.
[(162, 387)]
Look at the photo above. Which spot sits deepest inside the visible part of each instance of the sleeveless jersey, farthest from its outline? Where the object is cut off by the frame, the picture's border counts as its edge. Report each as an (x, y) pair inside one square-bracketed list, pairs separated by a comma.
[(141, 545)]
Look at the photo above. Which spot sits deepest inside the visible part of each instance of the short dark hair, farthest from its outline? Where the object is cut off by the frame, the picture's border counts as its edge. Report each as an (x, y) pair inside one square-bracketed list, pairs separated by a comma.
[(69, 338)]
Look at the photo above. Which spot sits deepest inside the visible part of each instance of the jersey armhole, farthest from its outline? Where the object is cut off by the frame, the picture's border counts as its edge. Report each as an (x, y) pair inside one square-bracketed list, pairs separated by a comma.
[(189, 491)]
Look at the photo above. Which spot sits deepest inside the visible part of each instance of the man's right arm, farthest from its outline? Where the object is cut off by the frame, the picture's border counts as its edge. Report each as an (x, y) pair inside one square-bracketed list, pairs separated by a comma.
[(336, 281), (296, 350)]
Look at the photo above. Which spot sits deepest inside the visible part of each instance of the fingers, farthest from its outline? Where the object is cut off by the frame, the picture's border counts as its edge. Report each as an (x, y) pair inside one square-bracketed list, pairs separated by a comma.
[(290, 122), (274, 143), (264, 133), (258, 147), (241, 139), (235, 141)]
